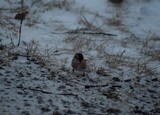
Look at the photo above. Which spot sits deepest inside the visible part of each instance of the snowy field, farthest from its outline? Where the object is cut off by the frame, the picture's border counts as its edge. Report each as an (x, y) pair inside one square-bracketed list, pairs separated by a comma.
[(120, 41)]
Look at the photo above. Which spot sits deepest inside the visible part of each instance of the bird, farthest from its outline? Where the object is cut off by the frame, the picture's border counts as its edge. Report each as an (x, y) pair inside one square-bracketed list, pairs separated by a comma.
[(78, 63)]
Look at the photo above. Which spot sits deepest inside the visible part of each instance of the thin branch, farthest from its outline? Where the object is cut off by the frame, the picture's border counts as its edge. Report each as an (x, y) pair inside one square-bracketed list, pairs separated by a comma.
[(39, 90), (21, 17), (20, 27), (22, 55), (86, 86), (46, 92), (91, 33), (65, 94), (92, 86)]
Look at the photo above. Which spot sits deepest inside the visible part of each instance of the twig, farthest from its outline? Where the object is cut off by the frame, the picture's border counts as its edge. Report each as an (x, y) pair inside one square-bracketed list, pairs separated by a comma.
[(86, 86), (92, 33), (89, 86), (65, 94), (20, 27), (45, 92), (18, 54), (92, 86), (24, 55), (39, 90)]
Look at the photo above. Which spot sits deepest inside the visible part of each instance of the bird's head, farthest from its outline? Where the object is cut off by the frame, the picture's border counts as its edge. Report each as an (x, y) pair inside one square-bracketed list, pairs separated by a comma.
[(79, 56)]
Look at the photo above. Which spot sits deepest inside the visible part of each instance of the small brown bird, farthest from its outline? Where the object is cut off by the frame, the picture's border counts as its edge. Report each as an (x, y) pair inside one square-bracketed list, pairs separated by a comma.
[(79, 63)]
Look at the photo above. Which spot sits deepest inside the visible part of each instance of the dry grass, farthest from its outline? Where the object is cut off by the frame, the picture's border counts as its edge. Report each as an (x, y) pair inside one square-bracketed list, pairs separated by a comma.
[(150, 47), (4, 57), (61, 4), (87, 23), (103, 66), (115, 60), (30, 51), (114, 22), (85, 43), (7, 53), (44, 58), (78, 42), (119, 60), (141, 67)]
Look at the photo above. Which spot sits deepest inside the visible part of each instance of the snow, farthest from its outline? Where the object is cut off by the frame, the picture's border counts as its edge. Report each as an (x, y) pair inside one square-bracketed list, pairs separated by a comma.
[(92, 5), (122, 75)]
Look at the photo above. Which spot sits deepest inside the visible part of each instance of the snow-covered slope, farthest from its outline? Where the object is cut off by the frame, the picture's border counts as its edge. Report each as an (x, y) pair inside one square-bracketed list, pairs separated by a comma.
[(121, 43)]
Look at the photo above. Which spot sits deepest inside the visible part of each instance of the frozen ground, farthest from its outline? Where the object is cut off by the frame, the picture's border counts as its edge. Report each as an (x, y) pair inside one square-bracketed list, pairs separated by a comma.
[(123, 70)]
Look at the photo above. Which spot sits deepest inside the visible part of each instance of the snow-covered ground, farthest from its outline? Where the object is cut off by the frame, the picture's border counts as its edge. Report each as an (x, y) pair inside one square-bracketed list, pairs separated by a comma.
[(123, 68)]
